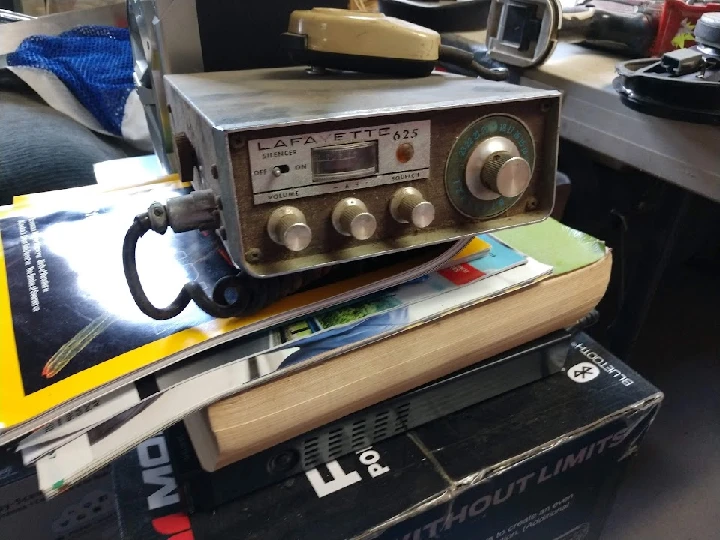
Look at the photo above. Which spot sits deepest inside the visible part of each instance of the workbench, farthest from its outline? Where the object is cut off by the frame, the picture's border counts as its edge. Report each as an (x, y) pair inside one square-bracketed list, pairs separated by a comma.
[(683, 154), (687, 155)]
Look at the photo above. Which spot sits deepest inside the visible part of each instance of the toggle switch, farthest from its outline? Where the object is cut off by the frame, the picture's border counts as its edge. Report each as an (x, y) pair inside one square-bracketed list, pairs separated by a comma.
[(350, 217), (409, 206), (288, 228), (279, 170)]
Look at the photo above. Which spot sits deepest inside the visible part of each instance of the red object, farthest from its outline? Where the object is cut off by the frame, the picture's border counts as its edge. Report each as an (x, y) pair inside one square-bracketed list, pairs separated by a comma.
[(461, 274), (174, 526), (677, 24)]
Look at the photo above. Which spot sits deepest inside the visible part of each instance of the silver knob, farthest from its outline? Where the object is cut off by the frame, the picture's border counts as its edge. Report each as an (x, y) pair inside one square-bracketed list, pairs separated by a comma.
[(350, 217), (495, 169), (506, 174), (409, 206), (287, 227)]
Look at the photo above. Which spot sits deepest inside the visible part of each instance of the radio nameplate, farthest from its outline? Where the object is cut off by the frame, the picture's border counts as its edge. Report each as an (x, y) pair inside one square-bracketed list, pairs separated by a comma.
[(295, 152)]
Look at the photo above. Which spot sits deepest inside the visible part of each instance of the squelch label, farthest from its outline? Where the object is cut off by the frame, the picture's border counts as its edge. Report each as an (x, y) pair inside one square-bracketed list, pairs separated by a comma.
[(278, 153)]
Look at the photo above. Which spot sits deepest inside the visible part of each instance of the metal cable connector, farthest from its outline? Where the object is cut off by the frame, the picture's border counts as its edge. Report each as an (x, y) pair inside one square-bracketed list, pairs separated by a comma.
[(197, 210), (232, 296)]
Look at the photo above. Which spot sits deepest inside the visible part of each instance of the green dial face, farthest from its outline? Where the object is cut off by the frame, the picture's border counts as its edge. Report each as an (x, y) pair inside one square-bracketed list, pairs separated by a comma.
[(489, 126)]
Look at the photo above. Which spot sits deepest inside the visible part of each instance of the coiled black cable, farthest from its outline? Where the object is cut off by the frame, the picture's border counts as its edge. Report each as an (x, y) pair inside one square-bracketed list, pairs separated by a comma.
[(250, 294), (141, 225)]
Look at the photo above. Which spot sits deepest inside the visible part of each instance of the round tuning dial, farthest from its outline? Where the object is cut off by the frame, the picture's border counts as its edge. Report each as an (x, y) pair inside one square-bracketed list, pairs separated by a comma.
[(409, 206), (490, 166), (350, 217), (287, 227), (505, 174)]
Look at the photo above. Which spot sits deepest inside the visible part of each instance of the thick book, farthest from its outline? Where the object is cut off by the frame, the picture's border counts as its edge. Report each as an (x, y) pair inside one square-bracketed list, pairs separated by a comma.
[(69, 329), (365, 428), (300, 401), (255, 359)]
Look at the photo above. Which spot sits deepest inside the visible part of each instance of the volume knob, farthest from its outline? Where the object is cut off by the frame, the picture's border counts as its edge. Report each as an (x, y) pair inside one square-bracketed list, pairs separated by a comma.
[(287, 227), (409, 206), (506, 174), (350, 217)]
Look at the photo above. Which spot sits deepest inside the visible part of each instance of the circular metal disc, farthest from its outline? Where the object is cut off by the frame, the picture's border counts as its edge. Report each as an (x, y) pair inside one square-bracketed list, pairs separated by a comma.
[(456, 185)]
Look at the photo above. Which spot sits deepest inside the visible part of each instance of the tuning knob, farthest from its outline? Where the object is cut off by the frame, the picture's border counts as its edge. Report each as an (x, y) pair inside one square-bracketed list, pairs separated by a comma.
[(409, 206), (495, 169), (350, 217), (506, 174), (287, 227)]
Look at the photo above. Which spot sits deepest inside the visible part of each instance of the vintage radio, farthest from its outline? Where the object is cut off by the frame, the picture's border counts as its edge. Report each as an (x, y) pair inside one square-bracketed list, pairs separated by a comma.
[(309, 170)]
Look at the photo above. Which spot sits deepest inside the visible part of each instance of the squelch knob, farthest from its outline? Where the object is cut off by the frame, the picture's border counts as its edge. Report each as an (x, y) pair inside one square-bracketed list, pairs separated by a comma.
[(409, 206), (507, 175), (287, 227), (350, 217)]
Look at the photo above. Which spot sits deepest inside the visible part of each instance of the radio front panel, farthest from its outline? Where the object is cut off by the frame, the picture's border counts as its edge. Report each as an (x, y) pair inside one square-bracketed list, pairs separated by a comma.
[(330, 182), (456, 211)]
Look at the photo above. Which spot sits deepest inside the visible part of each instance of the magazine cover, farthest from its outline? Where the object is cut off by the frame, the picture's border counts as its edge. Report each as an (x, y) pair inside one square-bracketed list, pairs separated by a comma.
[(68, 323), (66, 313)]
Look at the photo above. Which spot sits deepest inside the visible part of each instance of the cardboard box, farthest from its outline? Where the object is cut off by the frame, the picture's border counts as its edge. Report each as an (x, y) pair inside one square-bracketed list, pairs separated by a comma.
[(86, 512), (541, 462)]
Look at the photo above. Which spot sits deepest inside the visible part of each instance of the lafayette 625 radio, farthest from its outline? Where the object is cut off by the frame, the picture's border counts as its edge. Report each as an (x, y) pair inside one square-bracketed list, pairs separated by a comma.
[(317, 170), (298, 171)]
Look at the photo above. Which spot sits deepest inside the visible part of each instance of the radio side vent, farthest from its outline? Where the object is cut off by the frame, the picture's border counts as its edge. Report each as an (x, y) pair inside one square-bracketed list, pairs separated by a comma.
[(327, 445), (381, 424), (335, 443), (310, 454), (401, 420), (358, 436)]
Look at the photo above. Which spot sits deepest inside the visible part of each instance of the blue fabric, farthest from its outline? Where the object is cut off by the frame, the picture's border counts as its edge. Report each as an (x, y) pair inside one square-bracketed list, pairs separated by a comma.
[(94, 62)]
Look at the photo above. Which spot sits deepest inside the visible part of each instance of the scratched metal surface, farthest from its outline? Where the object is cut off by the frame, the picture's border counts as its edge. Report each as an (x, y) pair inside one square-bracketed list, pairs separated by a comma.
[(240, 100)]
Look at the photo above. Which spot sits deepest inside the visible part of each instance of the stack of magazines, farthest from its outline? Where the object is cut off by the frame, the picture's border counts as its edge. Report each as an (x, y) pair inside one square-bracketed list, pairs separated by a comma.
[(85, 376)]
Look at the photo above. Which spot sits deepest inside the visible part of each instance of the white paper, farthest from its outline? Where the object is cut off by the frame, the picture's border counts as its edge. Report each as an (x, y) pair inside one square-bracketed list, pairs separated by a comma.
[(83, 418)]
